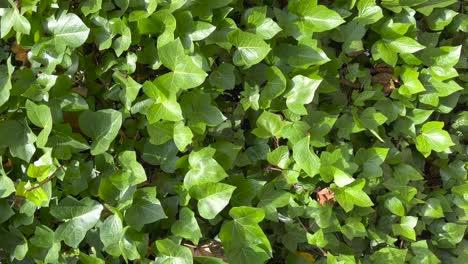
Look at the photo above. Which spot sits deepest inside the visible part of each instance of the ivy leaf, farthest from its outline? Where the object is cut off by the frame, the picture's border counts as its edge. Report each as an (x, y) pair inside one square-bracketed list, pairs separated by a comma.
[(203, 168), (394, 205), (78, 217), (187, 226), (223, 77), (433, 137), (6, 70), (404, 45), (11, 18), (382, 50), (251, 49), (212, 198), (352, 195), (163, 106), (69, 30), (102, 126), (170, 252), (432, 208), (411, 84), (369, 12), (145, 208), (446, 235), (422, 253), (388, 253), (243, 239), (305, 158), (90, 6), (182, 136), (116, 239), (130, 88), (131, 172), (406, 227), (268, 125), (40, 116), (302, 92), (319, 18)]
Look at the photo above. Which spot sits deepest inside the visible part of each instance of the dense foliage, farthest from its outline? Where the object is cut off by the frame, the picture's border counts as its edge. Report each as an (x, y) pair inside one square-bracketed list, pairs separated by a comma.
[(214, 131)]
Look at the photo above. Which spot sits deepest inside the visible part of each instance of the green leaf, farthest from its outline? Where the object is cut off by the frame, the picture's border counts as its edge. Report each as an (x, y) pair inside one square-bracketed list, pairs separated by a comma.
[(6, 70), (223, 77), (352, 195), (251, 49), (78, 216), (163, 106), (130, 88), (411, 84), (382, 50), (7, 186), (116, 239), (102, 126), (433, 137), (406, 227), (268, 125), (404, 45), (274, 88), (432, 208), (279, 157), (145, 208), (319, 18), (242, 238), (422, 253), (394, 205), (369, 12), (212, 198), (186, 226), (90, 6), (68, 30), (305, 158), (388, 253), (302, 92), (40, 116), (447, 235), (440, 18), (11, 18), (131, 171), (203, 168), (182, 136), (170, 252)]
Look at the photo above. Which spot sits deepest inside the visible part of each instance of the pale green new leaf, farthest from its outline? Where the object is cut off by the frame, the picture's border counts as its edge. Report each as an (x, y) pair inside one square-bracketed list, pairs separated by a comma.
[(68, 30), (404, 45), (352, 195), (182, 136), (302, 92), (203, 168), (433, 137), (212, 198)]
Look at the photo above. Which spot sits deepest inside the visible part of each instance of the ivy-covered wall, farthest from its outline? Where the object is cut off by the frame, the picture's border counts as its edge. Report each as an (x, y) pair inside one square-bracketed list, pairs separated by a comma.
[(230, 131)]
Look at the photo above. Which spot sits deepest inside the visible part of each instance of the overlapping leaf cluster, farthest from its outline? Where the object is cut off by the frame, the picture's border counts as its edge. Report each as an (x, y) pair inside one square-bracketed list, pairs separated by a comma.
[(177, 131)]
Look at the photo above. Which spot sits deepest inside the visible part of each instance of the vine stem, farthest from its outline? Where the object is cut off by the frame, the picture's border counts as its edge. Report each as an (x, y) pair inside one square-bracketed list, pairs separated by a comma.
[(48, 179)]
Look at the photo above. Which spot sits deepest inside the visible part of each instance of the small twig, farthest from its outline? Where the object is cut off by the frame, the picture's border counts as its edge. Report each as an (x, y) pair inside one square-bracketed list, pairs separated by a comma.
[(189, 246), (48, 179)]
